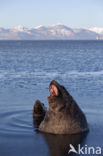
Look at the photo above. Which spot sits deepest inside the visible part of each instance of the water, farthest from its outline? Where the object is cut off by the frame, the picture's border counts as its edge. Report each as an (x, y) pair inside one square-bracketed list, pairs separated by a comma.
[(26, 69)]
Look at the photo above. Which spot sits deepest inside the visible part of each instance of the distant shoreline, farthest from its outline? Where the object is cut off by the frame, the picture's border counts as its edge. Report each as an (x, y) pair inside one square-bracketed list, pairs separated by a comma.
[(53, 40)]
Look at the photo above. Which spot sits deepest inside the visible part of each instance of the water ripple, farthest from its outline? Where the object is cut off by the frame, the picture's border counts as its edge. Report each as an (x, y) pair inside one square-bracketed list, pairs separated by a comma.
[(16, 121)]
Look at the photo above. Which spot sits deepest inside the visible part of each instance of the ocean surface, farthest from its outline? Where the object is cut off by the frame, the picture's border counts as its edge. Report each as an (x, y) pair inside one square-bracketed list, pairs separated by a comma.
[(26, 69)]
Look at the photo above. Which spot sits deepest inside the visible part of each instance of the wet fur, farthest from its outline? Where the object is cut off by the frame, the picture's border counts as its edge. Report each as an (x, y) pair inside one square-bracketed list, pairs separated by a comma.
[(64, 115)]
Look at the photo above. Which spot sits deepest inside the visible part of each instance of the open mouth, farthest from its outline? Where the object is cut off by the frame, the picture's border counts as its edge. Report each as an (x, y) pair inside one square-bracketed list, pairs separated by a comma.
[(53, 90)]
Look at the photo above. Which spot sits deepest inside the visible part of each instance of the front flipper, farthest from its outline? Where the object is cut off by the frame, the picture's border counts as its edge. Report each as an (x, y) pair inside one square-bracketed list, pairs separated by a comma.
[(39, 111)]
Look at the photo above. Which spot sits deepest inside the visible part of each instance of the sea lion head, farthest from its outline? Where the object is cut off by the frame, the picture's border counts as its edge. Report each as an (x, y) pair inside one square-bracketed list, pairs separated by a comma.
[(56, 99)]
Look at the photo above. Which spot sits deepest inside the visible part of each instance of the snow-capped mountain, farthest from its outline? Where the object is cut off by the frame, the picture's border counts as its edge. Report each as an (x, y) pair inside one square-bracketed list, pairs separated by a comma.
[(54, 32), (98, 30)]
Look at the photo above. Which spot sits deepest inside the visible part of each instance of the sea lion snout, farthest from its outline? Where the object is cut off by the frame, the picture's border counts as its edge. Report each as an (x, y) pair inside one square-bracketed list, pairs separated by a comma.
[(54, 88)]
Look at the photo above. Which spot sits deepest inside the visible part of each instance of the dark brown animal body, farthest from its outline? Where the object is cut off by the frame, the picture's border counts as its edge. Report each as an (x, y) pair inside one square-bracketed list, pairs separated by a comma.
[(64, 115)]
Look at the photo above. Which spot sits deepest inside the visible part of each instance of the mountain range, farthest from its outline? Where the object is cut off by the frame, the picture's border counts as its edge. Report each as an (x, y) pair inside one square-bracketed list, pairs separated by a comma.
[(54, 32)]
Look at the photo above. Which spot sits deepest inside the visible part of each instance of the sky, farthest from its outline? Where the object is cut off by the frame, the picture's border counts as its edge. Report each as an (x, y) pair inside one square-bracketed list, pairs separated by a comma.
[(31, 13)]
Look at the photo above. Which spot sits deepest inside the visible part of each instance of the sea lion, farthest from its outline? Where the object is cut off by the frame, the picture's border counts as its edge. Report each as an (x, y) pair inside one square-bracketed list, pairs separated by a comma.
[(64, 115)]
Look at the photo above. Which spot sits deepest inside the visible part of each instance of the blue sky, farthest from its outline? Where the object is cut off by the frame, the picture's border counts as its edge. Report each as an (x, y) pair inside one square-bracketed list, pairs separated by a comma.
[(31, 13)]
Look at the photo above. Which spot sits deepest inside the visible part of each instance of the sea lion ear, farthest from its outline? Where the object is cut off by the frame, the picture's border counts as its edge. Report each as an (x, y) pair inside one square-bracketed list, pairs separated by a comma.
[(53, 90)]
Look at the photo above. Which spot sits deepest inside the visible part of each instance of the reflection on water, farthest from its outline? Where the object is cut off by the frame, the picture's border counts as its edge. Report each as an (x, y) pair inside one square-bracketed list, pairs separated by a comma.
[(59, 144)]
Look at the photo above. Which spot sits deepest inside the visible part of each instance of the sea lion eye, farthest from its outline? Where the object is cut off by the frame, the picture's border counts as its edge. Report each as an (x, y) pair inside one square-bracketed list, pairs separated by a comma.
[(53, 90)]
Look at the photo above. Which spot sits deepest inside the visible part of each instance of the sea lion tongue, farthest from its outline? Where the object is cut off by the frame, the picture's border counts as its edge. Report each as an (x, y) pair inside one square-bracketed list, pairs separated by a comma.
[(53, 90)]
